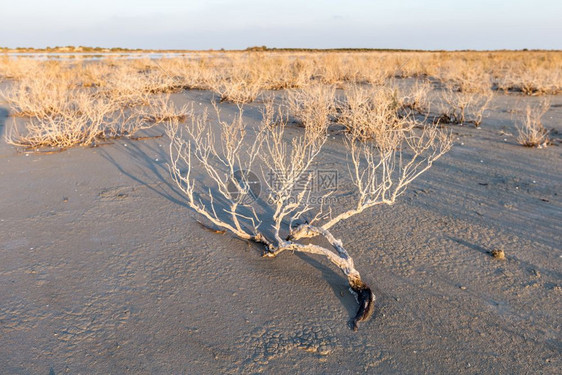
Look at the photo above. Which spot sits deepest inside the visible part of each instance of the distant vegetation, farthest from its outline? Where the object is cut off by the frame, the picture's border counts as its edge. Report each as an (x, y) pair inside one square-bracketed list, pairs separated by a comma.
[(59, 49), (86, 49), (97, 100)]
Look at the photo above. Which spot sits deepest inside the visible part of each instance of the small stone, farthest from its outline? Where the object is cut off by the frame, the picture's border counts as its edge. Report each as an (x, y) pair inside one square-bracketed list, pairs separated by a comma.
[(498, 254), (462, 287)]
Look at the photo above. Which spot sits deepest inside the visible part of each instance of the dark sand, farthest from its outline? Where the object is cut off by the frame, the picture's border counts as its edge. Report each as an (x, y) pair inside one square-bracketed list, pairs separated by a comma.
[(103, 268)]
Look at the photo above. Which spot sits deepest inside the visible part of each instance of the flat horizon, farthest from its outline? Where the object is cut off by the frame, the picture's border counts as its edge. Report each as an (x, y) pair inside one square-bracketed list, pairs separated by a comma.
[(88, 49), (235, 25)]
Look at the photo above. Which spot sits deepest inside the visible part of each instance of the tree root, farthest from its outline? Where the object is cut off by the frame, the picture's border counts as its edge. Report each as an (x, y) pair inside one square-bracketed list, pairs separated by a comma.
[(363, 294), (366, 300)]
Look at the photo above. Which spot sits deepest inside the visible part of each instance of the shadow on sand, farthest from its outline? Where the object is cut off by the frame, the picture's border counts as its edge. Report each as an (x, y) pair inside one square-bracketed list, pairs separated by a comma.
[(336, 281), (4, 113), (155, 175)]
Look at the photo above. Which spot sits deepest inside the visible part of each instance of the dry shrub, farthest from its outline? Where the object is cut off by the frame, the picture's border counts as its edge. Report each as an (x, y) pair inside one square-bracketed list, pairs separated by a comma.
[(408, 65), (65, 107), (162, 109), (528, 72), (532, 81), (313, 106), (93, 74), (460, 107), (36, 97), (368, 111), (380, 169), (415, 97), (189, 73), (41, 93), (237, 83), (238, 89), (128, 87), (330, 69), (85, 119), (277, 71), (531, 132), (376, 70), (44, 90), (18, 68), (78, 121), (465, 76)]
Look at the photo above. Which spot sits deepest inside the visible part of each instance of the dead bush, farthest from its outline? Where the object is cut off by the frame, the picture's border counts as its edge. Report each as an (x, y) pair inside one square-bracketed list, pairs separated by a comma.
[(313, 106), (366, 112), (530, 130), (230, 155), (461, 107)]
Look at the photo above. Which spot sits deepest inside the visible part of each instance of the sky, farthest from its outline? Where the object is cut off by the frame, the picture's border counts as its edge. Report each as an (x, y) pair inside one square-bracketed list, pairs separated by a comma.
[(238, 24)]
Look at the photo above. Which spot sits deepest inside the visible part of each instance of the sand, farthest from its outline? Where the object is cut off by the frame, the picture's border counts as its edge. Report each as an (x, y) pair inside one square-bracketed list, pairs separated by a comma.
[(104, 269)]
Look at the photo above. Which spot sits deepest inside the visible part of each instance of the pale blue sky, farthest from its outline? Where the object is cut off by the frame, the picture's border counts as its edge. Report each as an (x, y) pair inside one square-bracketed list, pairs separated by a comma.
[(237, 24)]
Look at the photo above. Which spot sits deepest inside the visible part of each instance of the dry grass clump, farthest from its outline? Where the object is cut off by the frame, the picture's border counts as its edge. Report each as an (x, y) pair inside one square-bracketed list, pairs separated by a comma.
[(364, 110), (337, 68), (125, 87), (466, 93), (531, 132), (334, 69), (129, 87), (93, 74)]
